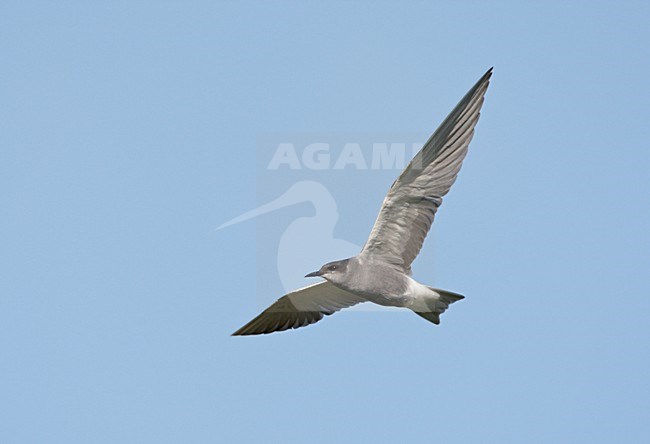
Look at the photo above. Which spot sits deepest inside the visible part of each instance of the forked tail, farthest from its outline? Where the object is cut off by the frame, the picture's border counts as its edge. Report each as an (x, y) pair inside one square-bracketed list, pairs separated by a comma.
[(437, 306)]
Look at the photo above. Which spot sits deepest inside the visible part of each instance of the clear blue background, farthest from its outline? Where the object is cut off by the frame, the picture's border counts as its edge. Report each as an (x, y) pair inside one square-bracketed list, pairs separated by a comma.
[(128, 133)]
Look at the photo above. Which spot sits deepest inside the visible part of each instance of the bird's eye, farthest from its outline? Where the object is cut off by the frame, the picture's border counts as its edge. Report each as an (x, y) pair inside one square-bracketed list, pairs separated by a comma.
[(332, 267)]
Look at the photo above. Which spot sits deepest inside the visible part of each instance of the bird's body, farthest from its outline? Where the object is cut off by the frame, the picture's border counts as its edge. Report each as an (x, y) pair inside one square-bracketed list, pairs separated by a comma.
[(380, 283), (381, 272), (373, 280)]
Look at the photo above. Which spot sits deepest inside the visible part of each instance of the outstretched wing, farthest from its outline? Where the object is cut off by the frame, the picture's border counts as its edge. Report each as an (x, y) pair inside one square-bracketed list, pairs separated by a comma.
[(411, 204), (300, 308)]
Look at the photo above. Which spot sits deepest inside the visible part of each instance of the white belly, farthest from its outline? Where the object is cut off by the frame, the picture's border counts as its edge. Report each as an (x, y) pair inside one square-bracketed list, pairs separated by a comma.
[(418, 294)]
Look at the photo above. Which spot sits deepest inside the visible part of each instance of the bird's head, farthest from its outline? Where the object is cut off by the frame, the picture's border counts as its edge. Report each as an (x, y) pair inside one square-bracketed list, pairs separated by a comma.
[(332, 271)]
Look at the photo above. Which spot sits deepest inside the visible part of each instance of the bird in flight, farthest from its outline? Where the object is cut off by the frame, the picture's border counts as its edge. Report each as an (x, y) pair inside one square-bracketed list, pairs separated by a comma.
[(381, 272)]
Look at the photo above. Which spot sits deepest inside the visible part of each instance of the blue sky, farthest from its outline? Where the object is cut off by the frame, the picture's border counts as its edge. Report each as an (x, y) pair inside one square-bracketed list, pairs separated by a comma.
[(129, 131)]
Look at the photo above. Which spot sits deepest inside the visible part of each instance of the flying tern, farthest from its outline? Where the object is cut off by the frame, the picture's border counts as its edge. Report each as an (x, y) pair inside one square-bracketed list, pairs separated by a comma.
[(381, 272)]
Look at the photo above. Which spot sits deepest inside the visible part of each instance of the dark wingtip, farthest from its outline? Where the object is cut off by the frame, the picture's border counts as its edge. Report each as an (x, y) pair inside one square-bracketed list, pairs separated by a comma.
[(487, 74), (240, 332), (479, 87)]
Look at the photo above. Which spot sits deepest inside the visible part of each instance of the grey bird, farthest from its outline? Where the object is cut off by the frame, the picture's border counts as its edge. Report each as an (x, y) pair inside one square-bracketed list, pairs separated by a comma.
[(381, 272)]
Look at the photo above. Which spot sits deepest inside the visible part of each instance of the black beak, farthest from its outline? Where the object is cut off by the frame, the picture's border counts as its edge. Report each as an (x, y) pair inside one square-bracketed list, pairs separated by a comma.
[(313, 274)]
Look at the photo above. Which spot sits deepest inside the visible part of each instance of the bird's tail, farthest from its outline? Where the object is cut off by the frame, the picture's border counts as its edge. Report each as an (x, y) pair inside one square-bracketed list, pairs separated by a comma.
[(437, 306)]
